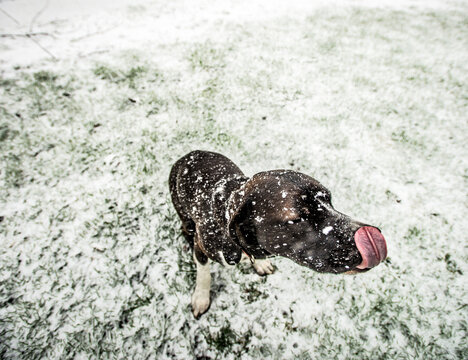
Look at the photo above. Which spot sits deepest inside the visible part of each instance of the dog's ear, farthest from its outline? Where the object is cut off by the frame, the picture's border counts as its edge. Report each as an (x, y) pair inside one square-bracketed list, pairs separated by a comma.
[(232, 249), (237, 212)]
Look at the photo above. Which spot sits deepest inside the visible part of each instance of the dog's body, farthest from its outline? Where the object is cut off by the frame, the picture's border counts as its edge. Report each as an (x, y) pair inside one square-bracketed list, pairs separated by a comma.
[(225, 215)]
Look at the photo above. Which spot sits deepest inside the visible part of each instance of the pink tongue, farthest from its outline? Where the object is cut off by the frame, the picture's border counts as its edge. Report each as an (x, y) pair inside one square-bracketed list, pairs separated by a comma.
[(372, 246)]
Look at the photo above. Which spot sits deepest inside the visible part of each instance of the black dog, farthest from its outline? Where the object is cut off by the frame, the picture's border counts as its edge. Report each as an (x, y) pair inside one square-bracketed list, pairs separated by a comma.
[(226, 215)]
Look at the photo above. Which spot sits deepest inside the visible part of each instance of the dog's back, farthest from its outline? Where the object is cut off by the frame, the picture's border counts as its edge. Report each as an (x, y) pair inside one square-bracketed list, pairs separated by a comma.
[(194, 179)]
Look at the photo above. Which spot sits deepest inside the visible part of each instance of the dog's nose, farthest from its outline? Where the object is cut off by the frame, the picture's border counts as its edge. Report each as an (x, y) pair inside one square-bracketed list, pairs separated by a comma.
[(371, 245)]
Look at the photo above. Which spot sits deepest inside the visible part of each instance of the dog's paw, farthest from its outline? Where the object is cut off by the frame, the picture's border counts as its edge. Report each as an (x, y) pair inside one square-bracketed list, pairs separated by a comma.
[(200, 302), (263, 267)]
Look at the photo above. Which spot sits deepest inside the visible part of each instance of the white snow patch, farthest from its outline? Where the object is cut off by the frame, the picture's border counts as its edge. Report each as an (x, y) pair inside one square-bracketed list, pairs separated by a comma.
[(327, 229)]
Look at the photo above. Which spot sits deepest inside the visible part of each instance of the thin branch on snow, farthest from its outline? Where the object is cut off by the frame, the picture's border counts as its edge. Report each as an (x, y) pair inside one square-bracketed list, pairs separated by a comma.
[(26, 35), (9, 16), (30, 34)]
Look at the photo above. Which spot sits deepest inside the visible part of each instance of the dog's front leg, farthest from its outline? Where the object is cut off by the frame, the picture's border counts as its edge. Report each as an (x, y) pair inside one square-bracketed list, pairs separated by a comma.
[(201, 295), (263, 267)]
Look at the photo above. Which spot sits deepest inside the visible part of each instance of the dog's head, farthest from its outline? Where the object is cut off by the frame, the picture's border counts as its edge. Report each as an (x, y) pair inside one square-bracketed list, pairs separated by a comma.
[(290, 214)]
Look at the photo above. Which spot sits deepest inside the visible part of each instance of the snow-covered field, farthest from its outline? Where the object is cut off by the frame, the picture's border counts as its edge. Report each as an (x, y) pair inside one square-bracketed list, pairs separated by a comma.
[(369, 97)]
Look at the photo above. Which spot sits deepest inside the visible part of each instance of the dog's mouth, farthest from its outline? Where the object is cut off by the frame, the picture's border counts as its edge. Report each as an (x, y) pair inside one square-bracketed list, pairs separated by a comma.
[(371, 245)]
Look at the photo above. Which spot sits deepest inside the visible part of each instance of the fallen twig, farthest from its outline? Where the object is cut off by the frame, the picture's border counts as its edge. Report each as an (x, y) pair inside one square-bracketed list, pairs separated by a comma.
[(29, 35), (26, 35), (8, 15), (42, 47)]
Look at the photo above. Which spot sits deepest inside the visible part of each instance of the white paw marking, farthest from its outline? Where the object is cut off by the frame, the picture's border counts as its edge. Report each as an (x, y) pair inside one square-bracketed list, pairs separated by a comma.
[(200, 302), (263, 267)]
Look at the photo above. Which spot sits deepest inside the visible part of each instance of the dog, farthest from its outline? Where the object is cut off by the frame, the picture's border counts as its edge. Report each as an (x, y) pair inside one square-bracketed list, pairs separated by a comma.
[(227, 216)]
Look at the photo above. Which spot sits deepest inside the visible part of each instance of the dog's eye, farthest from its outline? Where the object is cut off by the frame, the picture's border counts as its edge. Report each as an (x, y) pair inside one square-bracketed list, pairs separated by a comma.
[(295, 221)]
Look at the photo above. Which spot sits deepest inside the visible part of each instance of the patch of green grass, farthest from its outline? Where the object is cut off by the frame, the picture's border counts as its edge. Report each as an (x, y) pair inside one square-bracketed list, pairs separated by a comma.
[(413, 233), (13, 174), (5, 133), (147, 162), (250, 293), (392, 318), (210, 133), (45, 77), (206, 57), (45, 91), (157, 103), (403, 137), (392, 196), (328, 46), (223, 339), (7, 84), (125, 316), (118, 221), (136, 9), (365, 81), (452, 265), (106, 73), (130, 76), (226, 341), (135, 73)]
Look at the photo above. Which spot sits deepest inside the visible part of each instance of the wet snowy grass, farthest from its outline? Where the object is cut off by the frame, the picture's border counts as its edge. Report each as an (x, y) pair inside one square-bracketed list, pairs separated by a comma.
[(371, 102)]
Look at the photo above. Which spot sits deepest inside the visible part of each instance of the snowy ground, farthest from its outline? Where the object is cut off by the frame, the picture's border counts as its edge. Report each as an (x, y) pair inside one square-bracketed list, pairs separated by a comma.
[(369, 97)]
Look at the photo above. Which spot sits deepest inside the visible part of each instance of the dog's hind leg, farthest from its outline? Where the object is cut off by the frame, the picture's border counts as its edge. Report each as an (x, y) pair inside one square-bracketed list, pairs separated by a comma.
[(201, 295)]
